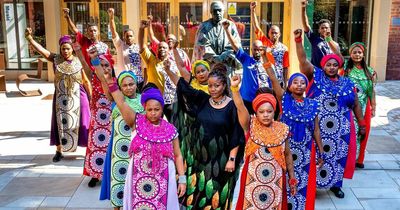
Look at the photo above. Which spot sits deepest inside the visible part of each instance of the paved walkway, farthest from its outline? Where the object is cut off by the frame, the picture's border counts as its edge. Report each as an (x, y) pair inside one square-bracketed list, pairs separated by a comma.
[(30, 180)]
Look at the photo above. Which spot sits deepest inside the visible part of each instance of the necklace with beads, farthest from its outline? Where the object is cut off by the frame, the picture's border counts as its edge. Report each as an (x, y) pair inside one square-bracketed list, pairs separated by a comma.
[(217, 103)]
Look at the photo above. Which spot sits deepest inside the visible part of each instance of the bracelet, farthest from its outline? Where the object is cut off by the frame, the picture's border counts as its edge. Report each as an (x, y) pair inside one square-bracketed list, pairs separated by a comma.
[(181, 179), (235, 89), (113, 87), (267, 65), (95, 61), (293, 182), (298, 39), (328, 39)]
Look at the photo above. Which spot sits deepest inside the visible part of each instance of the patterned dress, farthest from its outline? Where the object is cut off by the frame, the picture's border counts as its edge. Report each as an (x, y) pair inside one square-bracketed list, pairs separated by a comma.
[(71, 115), (117, 160), (150, 183), (300, 117), (365, 90), (336, 99), (205, 147), (99, 131), (262, 176)]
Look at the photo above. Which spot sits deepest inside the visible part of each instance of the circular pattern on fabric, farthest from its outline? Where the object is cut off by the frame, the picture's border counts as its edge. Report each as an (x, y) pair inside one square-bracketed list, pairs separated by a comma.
[(103, 102), (117, 194), (359, 89), (265, 172), (147, 187), (144, 206), (145, 165), (330, 105), (124, 129), (263, 197), (329, 146), (325, 175), (297, 156), (265, 154), (64, 102), (121, 148), (119, 170), (66, 121), (103, 116), (296, 202), (97, 161), (101, 137), (66, 141), (329, 124), (61, 86)]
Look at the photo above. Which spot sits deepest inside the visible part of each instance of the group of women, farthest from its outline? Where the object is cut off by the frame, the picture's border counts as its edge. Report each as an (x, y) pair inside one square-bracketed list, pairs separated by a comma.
[(224, 158)]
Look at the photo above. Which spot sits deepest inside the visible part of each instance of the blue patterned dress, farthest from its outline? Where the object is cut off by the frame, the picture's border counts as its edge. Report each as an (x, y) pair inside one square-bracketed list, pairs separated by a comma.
[(300, 117), (336, 100)]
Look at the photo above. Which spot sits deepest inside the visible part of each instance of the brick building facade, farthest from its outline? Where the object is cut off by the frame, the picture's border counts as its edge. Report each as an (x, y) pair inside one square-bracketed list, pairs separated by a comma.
[(393, 58)]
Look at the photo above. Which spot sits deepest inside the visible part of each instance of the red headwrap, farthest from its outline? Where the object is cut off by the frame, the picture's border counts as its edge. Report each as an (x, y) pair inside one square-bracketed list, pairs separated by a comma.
[(264, 98), (326, 58), (107, 57)]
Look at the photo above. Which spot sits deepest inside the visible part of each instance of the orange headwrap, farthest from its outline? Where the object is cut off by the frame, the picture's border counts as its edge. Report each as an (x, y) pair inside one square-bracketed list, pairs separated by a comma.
[(264, 98)]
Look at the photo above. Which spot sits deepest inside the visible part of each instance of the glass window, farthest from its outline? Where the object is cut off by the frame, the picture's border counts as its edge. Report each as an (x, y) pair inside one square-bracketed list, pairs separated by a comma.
[(271, 14), (242, 20), (352, 23), (161, 22), (16, 17), (190, 17), (105, 33), (80, 15)]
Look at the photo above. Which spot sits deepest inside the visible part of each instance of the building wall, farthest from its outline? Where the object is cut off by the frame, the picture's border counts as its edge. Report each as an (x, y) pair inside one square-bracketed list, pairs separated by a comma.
[(393, 59)]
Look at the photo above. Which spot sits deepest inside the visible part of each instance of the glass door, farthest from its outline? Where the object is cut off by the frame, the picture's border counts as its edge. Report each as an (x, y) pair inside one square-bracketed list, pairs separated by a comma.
[(179, 17), (239, 13), (84, 12), (275, 12)]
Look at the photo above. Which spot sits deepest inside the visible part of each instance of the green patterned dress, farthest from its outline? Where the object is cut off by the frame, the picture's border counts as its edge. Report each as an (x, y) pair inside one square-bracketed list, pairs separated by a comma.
[(120, 158)]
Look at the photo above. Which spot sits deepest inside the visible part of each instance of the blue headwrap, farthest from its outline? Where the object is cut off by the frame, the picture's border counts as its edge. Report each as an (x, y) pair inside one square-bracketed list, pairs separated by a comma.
[(297, 74), (124, 74), (152, 93)]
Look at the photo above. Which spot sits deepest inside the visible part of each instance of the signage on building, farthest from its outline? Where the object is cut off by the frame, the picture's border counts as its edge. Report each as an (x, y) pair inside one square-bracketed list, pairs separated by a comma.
[(232, 8)]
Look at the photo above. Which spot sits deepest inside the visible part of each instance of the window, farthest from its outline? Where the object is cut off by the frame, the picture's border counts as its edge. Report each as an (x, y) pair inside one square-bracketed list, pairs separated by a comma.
[(16, 16)]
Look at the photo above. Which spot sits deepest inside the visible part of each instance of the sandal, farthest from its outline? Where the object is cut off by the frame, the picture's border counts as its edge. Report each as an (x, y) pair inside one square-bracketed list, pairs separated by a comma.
[(58, 156), (337, 192), (93, 182)]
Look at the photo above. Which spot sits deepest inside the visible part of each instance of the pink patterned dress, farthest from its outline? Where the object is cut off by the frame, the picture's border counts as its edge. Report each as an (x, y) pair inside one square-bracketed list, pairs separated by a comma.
[(150, 182)]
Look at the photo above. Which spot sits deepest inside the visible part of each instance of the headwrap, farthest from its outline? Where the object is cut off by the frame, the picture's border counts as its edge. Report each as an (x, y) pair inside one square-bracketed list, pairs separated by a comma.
[(107, 57), (264, 98), (326, 58), (357, 44), (198, 63), (152, 93), (297, 74), (65, 39), (124, 74)]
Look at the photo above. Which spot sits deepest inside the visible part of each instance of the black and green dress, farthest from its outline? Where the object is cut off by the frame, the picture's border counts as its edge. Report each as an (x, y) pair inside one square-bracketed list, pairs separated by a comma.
[(205, 146)]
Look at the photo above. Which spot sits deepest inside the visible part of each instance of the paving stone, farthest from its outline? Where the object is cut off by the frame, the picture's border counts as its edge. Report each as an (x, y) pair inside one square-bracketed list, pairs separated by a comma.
[(370, 178), (323, 201), (86, 197), (389, 164), (380, 204), (46, 186), (348, 202), (55, 202), (27, 201), (371, 165), (372, 157), (373, 193)]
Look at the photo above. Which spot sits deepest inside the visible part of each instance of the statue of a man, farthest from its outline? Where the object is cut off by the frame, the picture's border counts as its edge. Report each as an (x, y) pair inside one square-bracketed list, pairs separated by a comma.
[(212, 43)]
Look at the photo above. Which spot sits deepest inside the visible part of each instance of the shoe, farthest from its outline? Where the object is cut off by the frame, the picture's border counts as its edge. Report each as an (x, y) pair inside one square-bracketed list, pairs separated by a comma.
[(359, 165), (337, 191), (57, 157), (93, 182)]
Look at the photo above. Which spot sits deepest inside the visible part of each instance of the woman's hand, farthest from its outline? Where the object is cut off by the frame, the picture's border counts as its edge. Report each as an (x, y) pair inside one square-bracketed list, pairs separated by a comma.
[(297, 33), (293, 190), (92, 51), (230, 166), (235, 80), (320, 163), (181, 190), (76, 46), (28, 32)]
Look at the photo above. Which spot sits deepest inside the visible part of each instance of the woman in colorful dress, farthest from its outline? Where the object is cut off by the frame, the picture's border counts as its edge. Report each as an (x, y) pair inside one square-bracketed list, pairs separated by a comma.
[(213, 147), (155, 154), (100, 123), (117, 160), (337, 100), (363, 77), (70, 115), (267, 155)]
